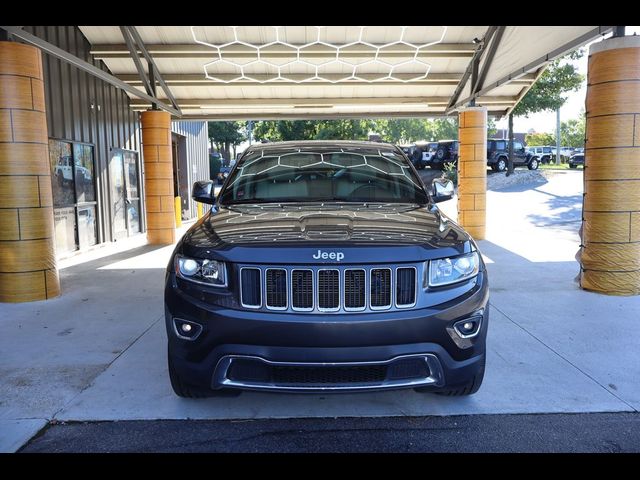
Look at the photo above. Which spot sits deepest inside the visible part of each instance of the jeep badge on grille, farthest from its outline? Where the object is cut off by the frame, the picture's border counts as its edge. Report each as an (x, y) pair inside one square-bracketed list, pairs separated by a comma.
[(337, 256)]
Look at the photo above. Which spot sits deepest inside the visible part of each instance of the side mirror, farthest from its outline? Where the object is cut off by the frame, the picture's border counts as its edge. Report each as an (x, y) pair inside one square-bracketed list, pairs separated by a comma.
[(203, 192), (442, 190)]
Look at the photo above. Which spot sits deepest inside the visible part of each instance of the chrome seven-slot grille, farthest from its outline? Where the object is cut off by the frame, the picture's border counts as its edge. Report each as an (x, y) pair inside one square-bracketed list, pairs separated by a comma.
[(327, 289)]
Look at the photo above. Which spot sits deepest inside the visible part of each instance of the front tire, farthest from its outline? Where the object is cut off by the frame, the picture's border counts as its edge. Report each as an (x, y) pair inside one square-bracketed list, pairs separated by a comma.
[(185, 390), (533, 164), (573, 165), (469, 388), (501, 164)]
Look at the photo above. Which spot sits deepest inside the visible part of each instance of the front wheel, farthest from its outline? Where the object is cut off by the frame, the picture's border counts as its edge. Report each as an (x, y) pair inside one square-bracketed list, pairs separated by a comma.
[(533, 164), (573, 165), (469, 388), (501, 165), (185, 390)]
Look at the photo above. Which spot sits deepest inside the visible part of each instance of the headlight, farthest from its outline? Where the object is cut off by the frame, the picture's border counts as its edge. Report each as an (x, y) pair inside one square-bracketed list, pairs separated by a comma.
[(445, 271), (209, 272)]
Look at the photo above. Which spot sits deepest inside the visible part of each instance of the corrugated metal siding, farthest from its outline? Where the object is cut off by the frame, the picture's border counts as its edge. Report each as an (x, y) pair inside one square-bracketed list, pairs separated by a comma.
[(197, 139), (70, 94)]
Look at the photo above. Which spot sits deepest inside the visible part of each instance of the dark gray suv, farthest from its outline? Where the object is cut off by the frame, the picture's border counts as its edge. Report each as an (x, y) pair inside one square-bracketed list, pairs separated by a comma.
[(325, 267)]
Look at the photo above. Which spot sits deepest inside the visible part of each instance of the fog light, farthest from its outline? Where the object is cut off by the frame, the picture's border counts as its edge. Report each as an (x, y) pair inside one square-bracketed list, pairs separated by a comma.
[(469, 327), (185, 329)]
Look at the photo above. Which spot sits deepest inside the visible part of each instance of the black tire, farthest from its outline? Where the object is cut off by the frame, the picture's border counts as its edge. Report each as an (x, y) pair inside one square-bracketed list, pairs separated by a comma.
[(501, 164), (185, 390), (545, 159), (533, 164), (441, 154), (572, 165), (469, 388)]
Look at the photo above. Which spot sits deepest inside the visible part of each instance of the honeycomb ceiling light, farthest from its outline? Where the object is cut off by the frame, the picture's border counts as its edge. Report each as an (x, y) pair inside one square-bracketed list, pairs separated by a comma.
[(356, 60)]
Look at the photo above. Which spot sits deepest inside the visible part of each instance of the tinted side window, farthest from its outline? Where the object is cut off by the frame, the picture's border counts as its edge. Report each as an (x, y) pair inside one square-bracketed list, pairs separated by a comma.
[(517, 146), (500, 145)]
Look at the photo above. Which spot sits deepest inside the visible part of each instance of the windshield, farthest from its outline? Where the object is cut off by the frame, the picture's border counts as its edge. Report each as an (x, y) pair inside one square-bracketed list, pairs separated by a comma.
[(323, 175)]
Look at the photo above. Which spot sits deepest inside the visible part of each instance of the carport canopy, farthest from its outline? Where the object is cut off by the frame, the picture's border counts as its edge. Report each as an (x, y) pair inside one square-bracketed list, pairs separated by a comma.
[(296, 72)]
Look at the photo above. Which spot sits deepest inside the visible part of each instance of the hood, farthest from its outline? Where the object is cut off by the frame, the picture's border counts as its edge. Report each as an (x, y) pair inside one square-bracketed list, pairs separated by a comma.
[(361, 233)]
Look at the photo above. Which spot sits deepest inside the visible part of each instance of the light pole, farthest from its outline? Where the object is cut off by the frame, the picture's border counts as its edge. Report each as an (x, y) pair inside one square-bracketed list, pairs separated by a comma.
[(250, 130), (558, 136)]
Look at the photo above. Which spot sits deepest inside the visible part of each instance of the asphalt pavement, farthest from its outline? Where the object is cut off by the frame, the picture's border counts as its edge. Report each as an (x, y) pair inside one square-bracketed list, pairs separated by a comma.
[(569, 433)]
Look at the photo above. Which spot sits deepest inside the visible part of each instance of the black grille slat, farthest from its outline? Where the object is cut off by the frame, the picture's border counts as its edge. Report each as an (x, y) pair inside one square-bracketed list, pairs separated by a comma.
[(405, 286), (276, 284), (329, 289), (302, 289), (354, 289), (251, 288), (380, 287)]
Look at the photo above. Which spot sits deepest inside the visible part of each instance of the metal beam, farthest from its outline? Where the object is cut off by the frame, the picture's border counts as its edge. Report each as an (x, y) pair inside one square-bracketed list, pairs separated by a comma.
[(478, 84), (455, 50), (136, 59), (556, 53), (157, 76), (199, 79), (85, 66), (321, 102), (476, 58), (322, 116)]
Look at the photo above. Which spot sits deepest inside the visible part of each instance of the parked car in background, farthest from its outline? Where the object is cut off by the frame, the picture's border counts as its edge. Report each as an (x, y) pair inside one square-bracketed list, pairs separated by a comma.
[(223, 174), (428, 151), (446, 152), (544, 153), (413, 152), (498, 155), (575, 160)]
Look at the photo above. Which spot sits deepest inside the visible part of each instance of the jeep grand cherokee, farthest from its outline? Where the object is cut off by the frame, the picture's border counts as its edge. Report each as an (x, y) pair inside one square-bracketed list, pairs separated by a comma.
[(325, 267)]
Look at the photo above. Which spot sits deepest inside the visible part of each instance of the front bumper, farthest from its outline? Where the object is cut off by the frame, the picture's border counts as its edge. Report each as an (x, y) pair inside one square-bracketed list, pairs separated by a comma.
[(302, 341)]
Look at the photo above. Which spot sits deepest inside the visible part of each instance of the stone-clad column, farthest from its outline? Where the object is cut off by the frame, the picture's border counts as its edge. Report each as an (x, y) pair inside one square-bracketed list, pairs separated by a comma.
[(27, 247), (158, 177), (610, 251), (472, 170)]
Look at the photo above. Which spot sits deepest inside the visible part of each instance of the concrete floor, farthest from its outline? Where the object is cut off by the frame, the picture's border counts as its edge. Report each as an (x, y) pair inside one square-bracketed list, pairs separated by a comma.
[(98, 351)]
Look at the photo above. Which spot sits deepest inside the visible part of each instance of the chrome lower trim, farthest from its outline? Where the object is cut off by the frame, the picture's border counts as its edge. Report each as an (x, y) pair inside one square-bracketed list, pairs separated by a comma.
[(435, 378)]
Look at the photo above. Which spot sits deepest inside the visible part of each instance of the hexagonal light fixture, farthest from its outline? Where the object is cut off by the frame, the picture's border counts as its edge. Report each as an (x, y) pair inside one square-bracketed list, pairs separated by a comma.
[(277, 53)]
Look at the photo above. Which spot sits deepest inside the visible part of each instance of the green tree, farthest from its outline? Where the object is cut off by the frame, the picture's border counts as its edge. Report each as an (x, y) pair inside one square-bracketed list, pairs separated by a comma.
[(442, 129), (224, 135), (402, 130), (283, 130), (560, 77), (572, 132), (538, 139), (492, 130), (344, 129)]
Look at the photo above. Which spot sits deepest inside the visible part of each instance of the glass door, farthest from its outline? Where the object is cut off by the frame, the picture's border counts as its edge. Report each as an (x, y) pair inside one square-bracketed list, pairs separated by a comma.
[(125, 193), (131, 179)]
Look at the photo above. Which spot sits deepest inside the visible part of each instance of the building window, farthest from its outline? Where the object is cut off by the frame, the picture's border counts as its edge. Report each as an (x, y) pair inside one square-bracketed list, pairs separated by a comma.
[(74, 195)]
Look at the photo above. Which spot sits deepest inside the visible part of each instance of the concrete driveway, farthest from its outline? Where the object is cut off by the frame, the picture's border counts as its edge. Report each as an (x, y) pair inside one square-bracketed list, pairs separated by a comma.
[(98, 352)]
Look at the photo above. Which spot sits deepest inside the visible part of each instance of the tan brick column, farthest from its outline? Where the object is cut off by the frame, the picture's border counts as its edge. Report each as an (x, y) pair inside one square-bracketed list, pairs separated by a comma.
[(610, 251), (472, 170), (27, 246), (158, 177)]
